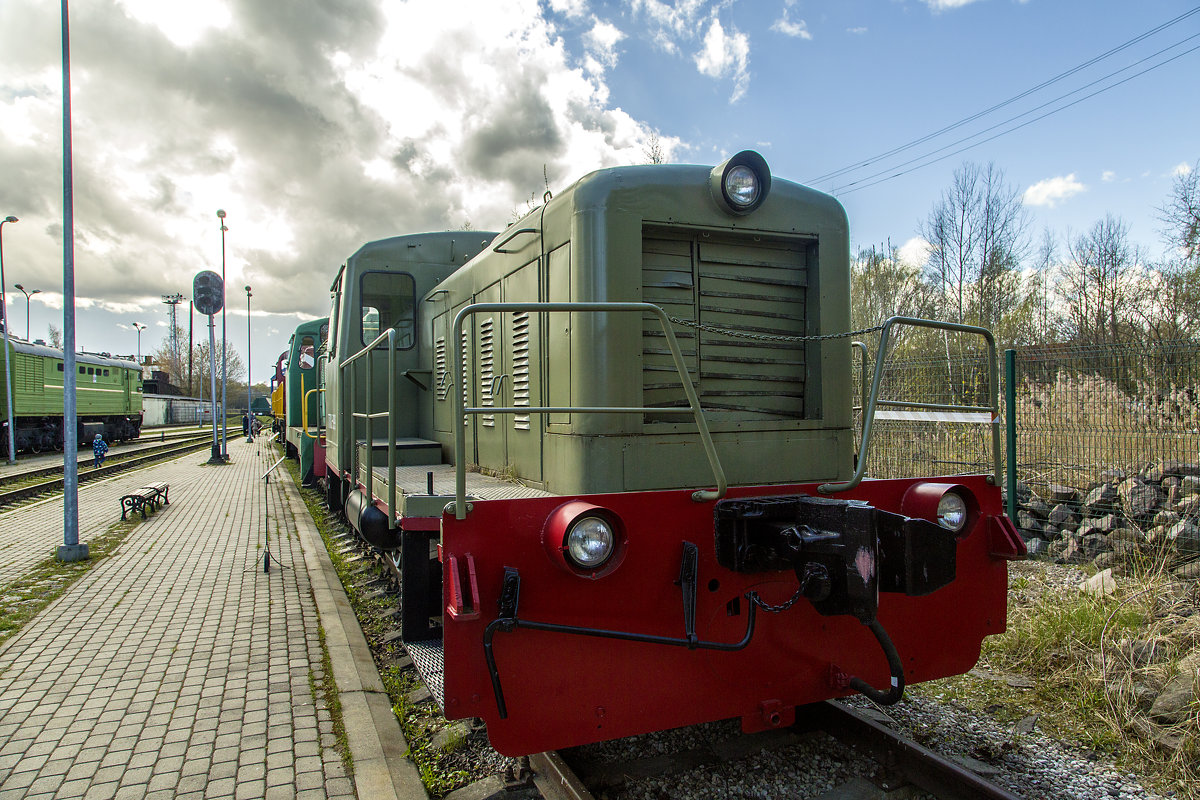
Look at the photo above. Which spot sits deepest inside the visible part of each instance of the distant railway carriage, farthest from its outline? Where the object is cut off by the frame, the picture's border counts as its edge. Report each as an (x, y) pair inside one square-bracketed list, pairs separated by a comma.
[(108, 397), (301, 394), (278, 389), (613, 458)]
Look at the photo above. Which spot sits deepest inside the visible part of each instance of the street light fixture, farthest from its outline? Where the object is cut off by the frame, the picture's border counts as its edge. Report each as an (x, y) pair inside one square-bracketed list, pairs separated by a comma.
[(224, 344), (249, 385), (9, 421), (139, 327), (28, 294)]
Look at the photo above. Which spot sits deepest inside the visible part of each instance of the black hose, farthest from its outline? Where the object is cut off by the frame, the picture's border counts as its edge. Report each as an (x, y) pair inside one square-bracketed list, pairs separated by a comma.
[(892, 696)]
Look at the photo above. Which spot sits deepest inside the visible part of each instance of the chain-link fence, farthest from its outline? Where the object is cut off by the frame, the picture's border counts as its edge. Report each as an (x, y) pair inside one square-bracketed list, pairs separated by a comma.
[(1080, 412)]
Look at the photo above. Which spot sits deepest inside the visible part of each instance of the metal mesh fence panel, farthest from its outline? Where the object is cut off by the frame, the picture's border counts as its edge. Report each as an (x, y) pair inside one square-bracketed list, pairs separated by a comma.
[(1082, 413), (958, 375)]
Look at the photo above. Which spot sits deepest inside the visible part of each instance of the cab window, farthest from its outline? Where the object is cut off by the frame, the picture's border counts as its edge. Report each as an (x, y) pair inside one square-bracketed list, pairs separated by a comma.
[(308, 356), (388, 301)]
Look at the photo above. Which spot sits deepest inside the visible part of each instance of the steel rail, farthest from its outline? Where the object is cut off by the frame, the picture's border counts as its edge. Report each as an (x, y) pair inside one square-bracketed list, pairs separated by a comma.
[(555, 779), (115, 457), (918, 765), (36, 489)]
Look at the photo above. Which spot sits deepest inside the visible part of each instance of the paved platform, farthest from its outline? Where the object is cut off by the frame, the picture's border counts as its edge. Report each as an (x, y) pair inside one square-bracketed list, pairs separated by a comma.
[(176, 667)]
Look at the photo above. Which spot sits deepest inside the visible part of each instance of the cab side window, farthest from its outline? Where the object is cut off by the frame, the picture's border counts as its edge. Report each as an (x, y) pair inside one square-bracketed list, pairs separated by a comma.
[(388, 301)]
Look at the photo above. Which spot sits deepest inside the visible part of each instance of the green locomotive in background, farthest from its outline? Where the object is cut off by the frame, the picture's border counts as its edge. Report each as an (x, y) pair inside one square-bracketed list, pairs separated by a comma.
[(108, 397)]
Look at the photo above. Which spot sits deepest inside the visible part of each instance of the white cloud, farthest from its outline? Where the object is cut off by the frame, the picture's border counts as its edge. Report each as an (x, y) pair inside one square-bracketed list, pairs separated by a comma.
[(1052, 191), (601, 45), (1108, 176), (317, 131), (681, 26), (914, 252), (1182, 168), (726, 54), (569, 8), (797, 29), (945, 5), (857, 31), (183, 23)]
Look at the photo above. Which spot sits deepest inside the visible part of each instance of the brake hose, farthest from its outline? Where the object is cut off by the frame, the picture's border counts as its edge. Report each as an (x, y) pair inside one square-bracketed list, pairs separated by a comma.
[(893, 695)]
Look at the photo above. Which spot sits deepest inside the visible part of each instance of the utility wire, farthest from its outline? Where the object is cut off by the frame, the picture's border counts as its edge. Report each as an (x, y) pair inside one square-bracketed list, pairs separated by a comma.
[(1034, 110), (860, 185), (953, 126)]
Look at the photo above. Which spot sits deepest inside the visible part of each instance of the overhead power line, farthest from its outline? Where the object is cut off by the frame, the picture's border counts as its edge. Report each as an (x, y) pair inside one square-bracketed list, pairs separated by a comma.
[(1044, 84), (858, 185)]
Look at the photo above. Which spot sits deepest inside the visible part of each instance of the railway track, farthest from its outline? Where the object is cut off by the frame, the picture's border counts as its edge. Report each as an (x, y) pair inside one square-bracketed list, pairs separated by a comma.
[(119, 463), (904, 769)]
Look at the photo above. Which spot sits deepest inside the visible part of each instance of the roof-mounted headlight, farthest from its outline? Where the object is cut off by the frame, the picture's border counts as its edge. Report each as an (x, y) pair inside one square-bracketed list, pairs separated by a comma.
[(741, 183)]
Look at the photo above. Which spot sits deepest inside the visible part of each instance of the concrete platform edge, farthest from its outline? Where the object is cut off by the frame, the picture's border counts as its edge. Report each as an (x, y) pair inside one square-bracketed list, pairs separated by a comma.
[(381, 768)]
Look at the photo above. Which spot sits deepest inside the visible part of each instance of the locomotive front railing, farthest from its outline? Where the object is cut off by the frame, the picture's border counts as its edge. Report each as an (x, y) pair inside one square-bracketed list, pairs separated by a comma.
[(461, 410), (989, 414), (369, 418)]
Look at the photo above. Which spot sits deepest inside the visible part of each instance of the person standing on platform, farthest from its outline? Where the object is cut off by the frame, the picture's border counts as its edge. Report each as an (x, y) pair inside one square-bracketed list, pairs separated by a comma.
[(99, 448)]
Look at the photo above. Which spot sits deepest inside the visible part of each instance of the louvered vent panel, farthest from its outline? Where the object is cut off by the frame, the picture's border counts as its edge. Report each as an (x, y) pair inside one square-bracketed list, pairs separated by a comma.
[(443, 377), (520, 368), (466, 371), (751, 285), (667, 281), (487, 370)]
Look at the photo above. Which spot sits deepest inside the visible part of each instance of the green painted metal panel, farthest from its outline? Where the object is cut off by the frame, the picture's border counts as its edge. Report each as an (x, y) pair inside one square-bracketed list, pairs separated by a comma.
[(654, 233)]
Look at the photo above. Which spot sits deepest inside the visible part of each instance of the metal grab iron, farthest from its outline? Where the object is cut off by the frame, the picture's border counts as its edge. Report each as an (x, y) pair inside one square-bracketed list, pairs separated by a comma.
[(508, 621)]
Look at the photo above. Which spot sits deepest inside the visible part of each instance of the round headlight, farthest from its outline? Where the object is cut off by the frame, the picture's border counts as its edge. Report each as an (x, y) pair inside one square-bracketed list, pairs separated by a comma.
[(590, 542), (741, 186), (952, 512)]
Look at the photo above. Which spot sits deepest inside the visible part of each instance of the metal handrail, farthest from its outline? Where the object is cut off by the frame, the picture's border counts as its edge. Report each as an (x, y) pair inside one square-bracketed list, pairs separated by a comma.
[(304, 410), (873, 401), (390, 336), (461, 410), (497, 247)]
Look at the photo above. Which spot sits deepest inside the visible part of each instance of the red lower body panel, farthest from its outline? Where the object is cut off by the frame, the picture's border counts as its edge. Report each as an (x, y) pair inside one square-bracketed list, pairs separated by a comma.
[(562, 689)]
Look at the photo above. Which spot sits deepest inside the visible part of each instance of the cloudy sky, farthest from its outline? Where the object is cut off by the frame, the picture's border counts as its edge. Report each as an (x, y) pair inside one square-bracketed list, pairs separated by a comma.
[(322, 124)]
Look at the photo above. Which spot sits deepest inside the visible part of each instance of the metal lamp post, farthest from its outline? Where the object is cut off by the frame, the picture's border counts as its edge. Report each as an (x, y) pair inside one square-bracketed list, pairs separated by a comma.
[(249, 386), (139, 327), (27, 296), (12, 448), (224, 345)]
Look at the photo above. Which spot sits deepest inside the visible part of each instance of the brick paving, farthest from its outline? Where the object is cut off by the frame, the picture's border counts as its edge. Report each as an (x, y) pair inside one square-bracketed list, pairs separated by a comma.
[(176, 667)]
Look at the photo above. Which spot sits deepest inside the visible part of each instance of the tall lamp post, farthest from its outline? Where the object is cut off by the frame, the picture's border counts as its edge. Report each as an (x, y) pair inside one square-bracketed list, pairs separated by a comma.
[(27, 296), (224, 346), (139, 327), (249, 386), (12, 449)]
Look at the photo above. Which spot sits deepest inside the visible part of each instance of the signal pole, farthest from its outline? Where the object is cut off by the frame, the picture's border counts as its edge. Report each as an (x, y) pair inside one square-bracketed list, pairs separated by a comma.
[(224, 343)]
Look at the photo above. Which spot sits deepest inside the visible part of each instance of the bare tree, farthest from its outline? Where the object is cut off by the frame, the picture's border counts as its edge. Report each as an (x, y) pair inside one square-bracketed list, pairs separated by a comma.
[(882, 286), (653, 150), (977, 235), (55, 335), (1097, 283), (1181, 215)]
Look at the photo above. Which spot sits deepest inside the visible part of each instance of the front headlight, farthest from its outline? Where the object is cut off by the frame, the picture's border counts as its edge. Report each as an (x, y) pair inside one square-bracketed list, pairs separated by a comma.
[(741, 186), (590, 542), (952, 512)]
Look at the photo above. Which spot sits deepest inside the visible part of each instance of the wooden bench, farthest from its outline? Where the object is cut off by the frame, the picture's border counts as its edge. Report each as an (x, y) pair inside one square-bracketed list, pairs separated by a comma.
[(153, 495)]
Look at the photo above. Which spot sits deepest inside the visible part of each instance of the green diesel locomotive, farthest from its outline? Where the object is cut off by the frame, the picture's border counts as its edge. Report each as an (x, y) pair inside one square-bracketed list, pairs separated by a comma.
[(612, 457), (108, 397)]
